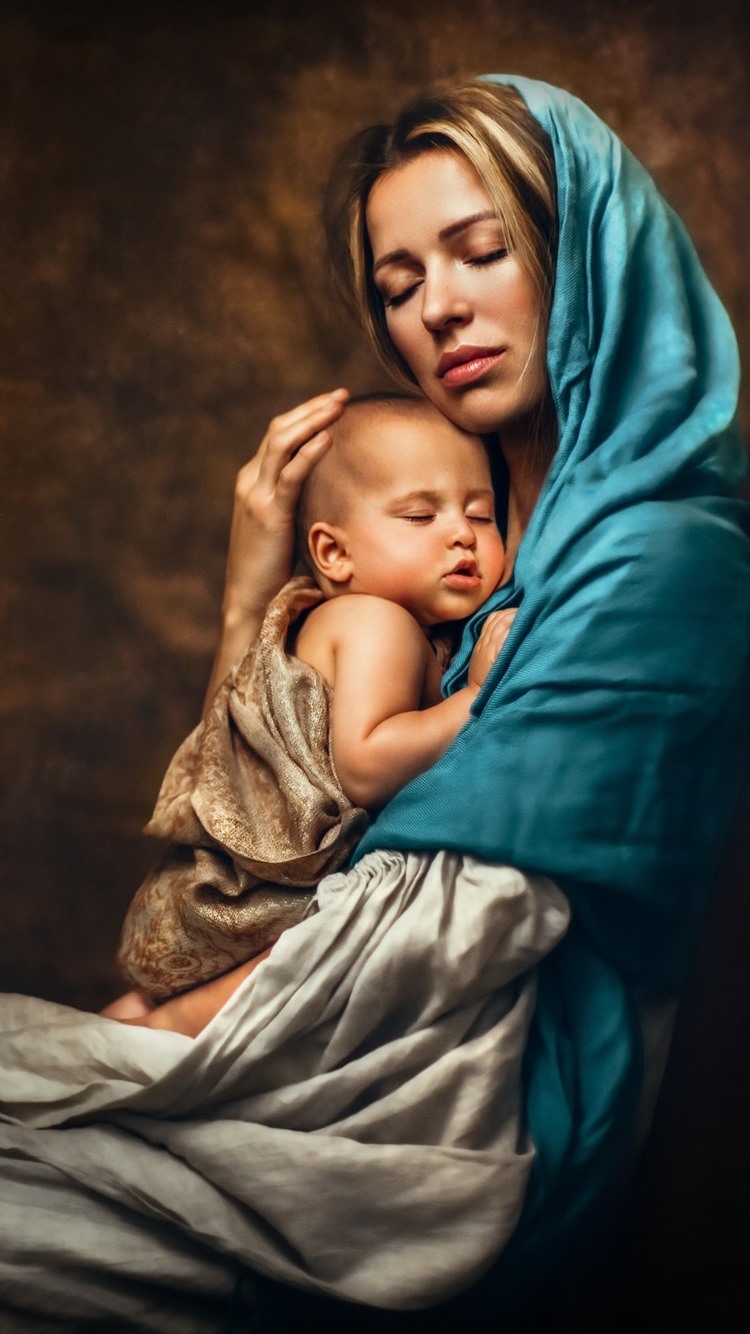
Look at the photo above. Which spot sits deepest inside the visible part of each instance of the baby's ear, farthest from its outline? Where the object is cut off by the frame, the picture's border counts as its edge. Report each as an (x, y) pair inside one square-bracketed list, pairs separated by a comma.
[(329, 552)]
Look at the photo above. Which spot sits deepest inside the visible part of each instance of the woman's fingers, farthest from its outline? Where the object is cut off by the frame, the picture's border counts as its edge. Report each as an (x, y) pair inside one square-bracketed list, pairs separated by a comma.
[(321, 407), (267, 490), (294, 473), (268, 486), (290, 431)]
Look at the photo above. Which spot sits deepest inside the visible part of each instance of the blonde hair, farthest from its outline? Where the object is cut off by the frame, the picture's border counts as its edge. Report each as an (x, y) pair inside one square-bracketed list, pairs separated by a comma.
[(491, 126)]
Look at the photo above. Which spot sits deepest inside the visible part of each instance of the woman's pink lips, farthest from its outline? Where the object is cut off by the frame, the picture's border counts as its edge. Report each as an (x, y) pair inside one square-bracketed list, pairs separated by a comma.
[(466, 364)]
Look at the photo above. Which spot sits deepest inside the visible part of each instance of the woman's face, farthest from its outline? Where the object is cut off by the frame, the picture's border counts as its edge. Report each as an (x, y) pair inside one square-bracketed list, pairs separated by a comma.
[(460, 309)]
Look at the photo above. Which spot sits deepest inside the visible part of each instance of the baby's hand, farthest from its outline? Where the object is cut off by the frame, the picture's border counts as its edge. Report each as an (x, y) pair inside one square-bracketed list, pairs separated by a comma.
[(494, 634)]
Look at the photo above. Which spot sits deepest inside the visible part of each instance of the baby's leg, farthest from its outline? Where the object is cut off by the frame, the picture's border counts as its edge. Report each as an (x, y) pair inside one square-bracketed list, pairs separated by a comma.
[(190, 1012)]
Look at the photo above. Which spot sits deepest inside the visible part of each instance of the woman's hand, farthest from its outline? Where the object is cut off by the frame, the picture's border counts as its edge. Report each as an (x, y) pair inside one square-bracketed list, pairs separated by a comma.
[(494, 633), (261, 540)]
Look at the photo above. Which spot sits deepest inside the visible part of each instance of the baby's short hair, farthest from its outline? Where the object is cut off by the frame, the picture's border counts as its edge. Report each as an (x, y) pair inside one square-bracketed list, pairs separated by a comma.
[(343, 470)]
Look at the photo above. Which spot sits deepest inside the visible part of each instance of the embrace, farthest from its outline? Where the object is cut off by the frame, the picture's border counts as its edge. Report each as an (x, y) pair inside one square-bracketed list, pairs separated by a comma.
[(438, 854)]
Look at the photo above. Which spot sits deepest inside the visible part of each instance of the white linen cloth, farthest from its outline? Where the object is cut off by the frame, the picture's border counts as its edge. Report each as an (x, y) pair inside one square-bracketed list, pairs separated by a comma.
[(350, 1122)]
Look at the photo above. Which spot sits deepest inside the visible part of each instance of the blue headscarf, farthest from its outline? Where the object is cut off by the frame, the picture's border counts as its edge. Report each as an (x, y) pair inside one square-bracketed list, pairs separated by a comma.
[(603, 750)]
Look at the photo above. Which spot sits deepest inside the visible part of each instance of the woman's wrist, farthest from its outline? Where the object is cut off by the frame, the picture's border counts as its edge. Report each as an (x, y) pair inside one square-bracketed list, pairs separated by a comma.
[(238, 617), (238, 632), (252, 582)]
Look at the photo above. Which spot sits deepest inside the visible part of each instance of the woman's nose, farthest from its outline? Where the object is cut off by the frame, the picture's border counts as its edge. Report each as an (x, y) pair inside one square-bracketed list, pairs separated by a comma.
[(442, 302)]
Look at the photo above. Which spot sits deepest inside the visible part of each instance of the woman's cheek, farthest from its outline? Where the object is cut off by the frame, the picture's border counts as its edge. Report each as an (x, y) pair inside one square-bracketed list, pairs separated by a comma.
[(399, 333)]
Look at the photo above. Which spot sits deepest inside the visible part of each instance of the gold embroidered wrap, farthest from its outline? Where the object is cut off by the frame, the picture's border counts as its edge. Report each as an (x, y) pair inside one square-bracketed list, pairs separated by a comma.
[(253, 813)]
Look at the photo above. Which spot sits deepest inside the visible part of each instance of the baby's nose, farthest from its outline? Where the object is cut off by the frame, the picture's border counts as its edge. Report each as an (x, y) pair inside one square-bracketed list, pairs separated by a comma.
[(463, 532)]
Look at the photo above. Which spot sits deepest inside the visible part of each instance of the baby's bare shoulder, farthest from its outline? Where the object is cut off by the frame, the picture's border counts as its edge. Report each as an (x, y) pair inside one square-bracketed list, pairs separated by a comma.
[(363, 617), (367, 613), (357, 633)]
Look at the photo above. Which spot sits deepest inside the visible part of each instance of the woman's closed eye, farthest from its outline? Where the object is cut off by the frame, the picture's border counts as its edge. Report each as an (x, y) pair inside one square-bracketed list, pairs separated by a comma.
[(491, 257), (394, 299)]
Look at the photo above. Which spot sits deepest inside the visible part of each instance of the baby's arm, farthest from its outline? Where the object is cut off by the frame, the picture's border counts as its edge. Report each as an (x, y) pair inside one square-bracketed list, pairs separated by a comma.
[(388, 723)]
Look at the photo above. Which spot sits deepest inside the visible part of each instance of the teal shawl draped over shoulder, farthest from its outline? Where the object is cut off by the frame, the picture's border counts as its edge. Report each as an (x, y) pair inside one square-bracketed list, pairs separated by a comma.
[(603, 750)]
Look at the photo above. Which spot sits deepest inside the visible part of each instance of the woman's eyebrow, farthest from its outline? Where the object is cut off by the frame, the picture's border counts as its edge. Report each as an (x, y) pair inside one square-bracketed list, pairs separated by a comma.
[(453, 229)]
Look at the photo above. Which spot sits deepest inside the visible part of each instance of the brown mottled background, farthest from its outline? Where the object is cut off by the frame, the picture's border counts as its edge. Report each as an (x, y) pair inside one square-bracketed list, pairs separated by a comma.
[(162, 295)]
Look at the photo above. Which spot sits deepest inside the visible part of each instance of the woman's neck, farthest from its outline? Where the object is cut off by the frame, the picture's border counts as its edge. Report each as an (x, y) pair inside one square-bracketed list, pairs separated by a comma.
[(527, 461), (520, 506)]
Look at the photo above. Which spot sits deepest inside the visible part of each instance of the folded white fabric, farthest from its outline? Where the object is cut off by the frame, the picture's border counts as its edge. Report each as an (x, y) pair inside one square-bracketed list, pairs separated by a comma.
[(350, 1122)]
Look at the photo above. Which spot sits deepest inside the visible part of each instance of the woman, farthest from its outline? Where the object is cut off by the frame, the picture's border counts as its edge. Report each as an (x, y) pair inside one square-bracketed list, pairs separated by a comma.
[(612, 715), (609, 722)]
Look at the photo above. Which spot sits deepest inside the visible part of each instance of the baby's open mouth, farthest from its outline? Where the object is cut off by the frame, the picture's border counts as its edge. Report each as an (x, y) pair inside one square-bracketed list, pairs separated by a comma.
[(465, 575)]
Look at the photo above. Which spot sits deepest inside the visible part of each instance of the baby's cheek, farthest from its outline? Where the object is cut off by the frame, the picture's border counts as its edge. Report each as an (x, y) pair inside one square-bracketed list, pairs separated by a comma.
[(498, 562)]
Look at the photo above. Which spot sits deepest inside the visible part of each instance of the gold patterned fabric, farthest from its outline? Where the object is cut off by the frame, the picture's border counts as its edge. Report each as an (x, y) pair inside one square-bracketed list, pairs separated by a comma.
[(253, 815)]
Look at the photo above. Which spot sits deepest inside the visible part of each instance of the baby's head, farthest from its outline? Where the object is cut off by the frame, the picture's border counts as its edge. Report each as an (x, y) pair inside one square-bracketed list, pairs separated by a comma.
[(402, 507)]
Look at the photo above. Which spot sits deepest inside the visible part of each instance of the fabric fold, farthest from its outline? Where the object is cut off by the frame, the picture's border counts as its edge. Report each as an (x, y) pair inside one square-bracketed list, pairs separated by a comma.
[(608, 743), (351, 1122), (253, 815)]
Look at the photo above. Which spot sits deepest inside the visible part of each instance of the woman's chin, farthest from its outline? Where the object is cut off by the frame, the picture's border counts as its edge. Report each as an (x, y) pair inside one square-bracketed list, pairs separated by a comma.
[(487, 407)]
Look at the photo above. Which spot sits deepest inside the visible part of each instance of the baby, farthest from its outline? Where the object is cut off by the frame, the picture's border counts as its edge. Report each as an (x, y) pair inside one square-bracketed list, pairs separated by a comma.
[(397, 526), (398, 519)]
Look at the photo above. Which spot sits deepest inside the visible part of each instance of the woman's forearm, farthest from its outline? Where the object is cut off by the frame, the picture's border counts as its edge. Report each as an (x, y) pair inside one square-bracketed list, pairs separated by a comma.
[(238, 631)]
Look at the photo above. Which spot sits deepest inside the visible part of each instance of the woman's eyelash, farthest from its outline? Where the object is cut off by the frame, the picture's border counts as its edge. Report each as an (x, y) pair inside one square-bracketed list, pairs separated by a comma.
[(399, 298), (490, 258)]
